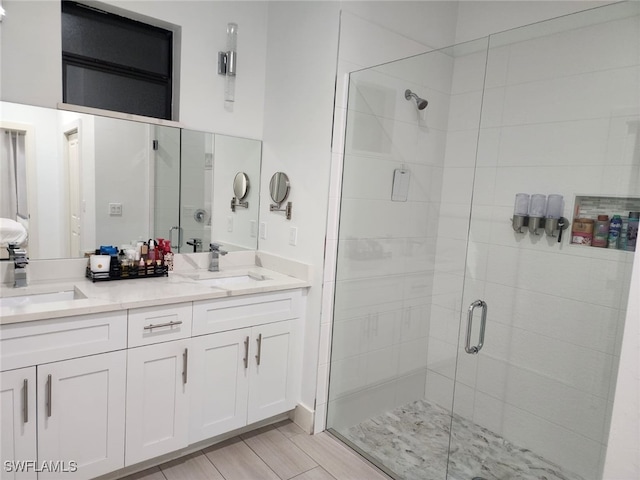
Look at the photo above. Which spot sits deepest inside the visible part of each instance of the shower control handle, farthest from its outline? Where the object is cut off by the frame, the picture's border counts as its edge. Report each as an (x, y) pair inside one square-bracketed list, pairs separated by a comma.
[(483, 322)]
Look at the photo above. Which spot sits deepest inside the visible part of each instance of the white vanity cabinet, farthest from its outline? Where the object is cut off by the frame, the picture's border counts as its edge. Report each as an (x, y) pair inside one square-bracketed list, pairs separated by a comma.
[(104, 391), (157, 400), (74, 393), (18, 420), (243, 375), (219, 383), (81, 415), (271, 377)]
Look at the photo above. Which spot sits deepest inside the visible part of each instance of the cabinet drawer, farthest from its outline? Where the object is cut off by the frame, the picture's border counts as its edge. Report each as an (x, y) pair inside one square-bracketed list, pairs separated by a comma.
[(44, 341), (211, 316), (159, 324)]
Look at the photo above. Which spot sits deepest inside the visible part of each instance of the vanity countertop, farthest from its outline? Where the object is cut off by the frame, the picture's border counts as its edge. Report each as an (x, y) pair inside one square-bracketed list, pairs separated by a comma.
[(107, 296)]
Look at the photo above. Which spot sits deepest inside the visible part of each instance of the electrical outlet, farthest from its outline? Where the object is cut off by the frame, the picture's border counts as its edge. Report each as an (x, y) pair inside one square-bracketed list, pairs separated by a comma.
[(115, 209), (253, 228), (293, 236), (229, 224), (263, 230)]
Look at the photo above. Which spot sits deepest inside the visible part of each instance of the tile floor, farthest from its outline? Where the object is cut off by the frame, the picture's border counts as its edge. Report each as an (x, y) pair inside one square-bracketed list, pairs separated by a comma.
[(413, 441), (277, 452)]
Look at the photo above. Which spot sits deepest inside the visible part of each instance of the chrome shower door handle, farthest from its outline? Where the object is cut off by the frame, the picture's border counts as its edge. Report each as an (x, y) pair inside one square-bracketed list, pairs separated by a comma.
[(180, 231), (483, 322)]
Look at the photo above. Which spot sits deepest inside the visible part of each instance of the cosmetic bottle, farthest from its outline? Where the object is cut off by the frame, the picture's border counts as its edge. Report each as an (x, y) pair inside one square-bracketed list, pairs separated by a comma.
[(601, 231), (632, 231), (151, 255), (615, 227)]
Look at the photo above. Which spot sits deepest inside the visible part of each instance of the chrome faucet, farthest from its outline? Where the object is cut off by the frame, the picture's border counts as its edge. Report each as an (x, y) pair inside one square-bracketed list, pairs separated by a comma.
[(20, 261), (214, 259), (196, 243)]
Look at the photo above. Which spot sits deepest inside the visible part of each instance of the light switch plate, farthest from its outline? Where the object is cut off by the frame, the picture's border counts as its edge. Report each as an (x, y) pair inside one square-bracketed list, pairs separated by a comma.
[(293, 236), (263, 230), (229, 224), (253, 228), (115, 209)]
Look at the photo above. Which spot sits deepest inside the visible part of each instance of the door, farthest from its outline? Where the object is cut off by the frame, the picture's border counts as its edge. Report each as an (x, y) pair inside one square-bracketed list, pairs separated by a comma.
[(538, 388), (74, 181), (220, 383), (18, 418), (270, 371), (157, 400), (81, 416)]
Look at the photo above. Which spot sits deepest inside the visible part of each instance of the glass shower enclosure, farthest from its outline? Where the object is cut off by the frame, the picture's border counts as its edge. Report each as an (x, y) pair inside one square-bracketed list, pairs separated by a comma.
[(465, 344)]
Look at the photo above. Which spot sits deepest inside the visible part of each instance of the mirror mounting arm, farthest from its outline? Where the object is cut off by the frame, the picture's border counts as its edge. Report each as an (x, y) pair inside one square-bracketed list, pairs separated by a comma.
[(276, 208), (235, 203)]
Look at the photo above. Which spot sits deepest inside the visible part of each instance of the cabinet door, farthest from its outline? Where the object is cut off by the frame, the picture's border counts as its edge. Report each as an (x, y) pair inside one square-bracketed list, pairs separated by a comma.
[(81, 416), (271, 389), (219, 383), (157, 400), (18, 420)]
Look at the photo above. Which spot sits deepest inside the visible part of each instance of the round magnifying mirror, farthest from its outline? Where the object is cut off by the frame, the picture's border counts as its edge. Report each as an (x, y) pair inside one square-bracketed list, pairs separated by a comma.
[(279, 187), (241, 185)]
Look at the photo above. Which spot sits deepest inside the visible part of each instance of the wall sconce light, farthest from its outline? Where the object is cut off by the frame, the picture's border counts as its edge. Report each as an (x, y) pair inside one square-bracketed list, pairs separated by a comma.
[(2, 12), (536, 212), (227, 63)]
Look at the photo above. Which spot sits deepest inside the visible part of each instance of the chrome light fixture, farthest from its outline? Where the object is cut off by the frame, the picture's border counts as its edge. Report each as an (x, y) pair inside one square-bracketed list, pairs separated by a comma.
[(227, 63)]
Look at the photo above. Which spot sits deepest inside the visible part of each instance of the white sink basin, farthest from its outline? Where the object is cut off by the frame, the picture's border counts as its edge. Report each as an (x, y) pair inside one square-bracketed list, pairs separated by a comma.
[(226, 281), (37, 298)]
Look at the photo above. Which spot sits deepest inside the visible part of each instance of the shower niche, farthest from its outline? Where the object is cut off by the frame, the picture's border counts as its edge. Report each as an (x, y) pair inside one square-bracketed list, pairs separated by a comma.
[(590, 208)]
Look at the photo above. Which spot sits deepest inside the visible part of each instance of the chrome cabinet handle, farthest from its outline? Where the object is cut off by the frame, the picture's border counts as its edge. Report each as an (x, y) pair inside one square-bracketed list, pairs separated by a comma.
[(49, 400), (259, 340), (483, 322), (246, 353), (151, 326), (25, 401), (185, 365)]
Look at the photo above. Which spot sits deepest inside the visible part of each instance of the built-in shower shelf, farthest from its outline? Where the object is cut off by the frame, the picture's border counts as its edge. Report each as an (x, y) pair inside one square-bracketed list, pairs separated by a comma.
[(590, 206)]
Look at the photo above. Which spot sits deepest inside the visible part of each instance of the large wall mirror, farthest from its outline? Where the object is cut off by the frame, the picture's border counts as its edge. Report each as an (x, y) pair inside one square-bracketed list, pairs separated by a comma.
[(78, 181)]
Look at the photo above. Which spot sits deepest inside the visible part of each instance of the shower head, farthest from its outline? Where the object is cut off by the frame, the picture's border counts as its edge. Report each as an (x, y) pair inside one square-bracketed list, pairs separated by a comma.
[(420, 102)]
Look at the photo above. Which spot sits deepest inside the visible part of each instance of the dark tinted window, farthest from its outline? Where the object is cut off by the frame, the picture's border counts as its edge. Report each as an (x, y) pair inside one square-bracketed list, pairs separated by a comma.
[(115, 63)]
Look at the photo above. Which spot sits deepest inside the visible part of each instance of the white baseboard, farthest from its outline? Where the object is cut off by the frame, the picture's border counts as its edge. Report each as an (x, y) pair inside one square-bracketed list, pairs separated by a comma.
[(303, 417)]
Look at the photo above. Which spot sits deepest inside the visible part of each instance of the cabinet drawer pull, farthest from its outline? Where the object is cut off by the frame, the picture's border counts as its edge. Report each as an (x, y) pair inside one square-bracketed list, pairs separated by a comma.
[(49, 400), (159, 325), (259, 340), (25, 401), (185, 360), (246, 353)]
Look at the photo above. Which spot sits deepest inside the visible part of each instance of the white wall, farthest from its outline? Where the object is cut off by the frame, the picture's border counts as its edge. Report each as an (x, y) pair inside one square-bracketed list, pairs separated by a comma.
[(478, 18), (623, 454), (32, 73), (301, 61)]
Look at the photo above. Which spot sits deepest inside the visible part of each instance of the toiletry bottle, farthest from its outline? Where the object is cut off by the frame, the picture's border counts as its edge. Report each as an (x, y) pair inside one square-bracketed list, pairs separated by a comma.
[(601, 231), (632, 231), (582, 232), (614, 231), (622, 243), (151, 255)]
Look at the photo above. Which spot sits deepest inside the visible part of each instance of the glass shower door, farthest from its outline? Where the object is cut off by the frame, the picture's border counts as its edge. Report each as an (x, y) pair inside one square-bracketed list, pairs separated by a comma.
[(399, 274), (560, 115)]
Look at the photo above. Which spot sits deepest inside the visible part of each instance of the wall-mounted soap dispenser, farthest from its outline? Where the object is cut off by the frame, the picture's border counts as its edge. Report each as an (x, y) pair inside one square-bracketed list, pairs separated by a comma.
[(520, 212), (537, 211)]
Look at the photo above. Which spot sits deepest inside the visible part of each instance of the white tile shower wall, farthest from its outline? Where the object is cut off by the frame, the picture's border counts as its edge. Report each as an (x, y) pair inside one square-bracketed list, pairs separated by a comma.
[(453, 224), (543, 379), (386, 250)]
